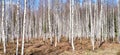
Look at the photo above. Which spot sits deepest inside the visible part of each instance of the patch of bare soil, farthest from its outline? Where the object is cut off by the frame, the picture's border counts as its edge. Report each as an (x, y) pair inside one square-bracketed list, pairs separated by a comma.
[(82, 47)]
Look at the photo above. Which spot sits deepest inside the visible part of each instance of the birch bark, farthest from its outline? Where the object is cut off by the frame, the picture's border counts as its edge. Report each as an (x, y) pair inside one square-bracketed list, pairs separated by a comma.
[(3, 32), (24, 21)]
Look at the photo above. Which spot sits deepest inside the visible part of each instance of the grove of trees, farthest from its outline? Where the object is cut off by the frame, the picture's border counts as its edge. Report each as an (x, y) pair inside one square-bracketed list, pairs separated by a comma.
[(97, 20)]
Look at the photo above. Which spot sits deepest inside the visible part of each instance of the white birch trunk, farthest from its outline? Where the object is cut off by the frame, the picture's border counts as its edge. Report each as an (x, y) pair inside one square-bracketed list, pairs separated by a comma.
[(92, 26), (56, 21), (49, 20), (24, 21), (17, 18), (12, 23), (3, 33), (87, 21), (113, 25), (118, 23), (71, 23)]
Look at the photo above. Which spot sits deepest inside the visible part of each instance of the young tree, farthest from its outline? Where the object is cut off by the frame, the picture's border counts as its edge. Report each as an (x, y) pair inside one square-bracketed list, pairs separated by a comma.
[(3, 33), (17, 25), (118, 23), (87, 19), (92, 25), (71, 23), (56, 20), (24, 22), (49, 20), (12, 20)]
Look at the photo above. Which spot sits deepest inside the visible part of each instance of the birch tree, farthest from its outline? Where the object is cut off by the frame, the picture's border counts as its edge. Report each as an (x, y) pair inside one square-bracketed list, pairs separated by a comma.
[(56, 18), (71, 23), (92, 26), (3, 33), (118, 4), (49, 20), (0, 21), (12, 21), (17, 18), (101, 23), (24, 21), (87, 19), (30, 20)]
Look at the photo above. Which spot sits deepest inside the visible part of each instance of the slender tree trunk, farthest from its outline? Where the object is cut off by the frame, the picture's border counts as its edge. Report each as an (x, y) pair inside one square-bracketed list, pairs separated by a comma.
[(55, 25), (24, 21), (101, 22), (92, 25), (3, 33), (113, 25), (12, 22), (17, 25), (87, 21), (71, 22), (49, 21), (118, 23)]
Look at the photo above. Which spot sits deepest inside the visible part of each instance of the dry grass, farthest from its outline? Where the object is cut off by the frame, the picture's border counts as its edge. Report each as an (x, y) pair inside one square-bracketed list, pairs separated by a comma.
[(39, 47)]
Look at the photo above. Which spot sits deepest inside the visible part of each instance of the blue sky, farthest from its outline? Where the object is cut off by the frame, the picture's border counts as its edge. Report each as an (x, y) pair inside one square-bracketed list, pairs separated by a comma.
[(36, 2), (114, 1)]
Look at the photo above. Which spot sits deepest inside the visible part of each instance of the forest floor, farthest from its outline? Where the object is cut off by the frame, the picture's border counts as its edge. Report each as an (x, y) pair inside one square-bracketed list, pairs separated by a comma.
[(83, 47)]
